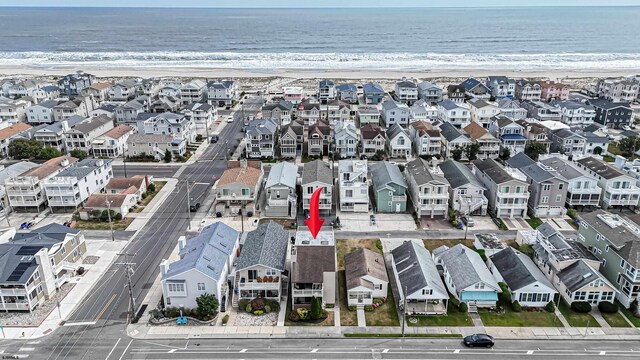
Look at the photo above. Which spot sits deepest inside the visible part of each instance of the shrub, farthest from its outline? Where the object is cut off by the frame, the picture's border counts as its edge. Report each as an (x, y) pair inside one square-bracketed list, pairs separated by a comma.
[(242, 303), (294, 316), (607, 307), (218, 214), (368, 308), (550, 307), (248, 308), (316, 308), (118, 216), (505, 296), (516, 306), (198, 138), (151, 187), (455, 302), (225, 319), (249, 213), (482, 254), (463, 307), (581, 306), (303, 312), (526, 249), (258, 312), (353, 308), (171, 312), (207, 304), (330, 306), (378, 301), (274, 305), (572, 213), (267, 309), (379, 244), (258, 303), (633, 307)]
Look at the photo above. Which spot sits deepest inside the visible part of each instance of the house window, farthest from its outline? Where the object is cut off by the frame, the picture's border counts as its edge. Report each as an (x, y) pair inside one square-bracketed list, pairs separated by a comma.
[(201, 287), (271, 272), (546, 187), (377, 286), (253, 274), (604, 262), (545, 200), (36, 275), (39, 288), (427, 291), (175, 287), (558, 198)]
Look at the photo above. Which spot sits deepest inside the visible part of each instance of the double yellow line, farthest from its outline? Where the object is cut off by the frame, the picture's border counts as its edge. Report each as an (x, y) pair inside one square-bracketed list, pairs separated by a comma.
[(106, 306)]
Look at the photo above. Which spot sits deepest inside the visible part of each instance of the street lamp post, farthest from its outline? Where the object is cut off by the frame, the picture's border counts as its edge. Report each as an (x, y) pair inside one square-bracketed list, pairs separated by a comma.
[(188, 205), (113, 238)]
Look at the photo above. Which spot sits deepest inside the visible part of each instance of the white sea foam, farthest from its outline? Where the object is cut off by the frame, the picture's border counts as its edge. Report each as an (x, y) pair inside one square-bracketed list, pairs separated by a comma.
[(333, 61)]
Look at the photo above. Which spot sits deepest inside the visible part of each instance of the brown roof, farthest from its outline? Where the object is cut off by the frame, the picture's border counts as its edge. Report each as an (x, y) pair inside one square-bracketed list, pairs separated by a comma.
[(312, 262), (370, 131), (13, 130), (100, 86), (125, 183), (251, 163), (49, 167), (548, 84), (423, 127), (118, 131), (100, 200), (475, 130), (244, 174), (361, 263)]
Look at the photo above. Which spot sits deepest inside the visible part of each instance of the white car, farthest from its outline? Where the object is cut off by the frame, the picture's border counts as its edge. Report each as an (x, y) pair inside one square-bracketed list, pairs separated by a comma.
[(229, 119)]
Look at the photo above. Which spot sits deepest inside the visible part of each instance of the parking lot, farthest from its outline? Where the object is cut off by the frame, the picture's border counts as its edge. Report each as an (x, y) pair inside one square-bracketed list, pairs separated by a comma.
[(384, 222)]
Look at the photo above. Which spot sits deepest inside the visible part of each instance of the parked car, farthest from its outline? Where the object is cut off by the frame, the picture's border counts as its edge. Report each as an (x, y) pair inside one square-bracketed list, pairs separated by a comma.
[(479, 340), (229, 119), (372, 219), (468, 221), (214, 139), (195, 207)]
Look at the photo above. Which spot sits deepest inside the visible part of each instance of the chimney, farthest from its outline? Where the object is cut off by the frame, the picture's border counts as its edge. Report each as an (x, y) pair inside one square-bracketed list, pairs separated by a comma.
[(620, 161), (182, 242), (64, 162), (65, 125), (164, 266)]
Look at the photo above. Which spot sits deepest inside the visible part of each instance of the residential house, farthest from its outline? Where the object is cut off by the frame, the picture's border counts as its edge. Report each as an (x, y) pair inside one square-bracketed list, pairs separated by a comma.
[(542, 111), (614, 240), (128, 113), (291, 140), (617, 90), (489, 146), (24, 89), (261, 138), (421, 110), (373, 140), (192, 92), (45, 93), (394, 113), (482, 111), (552, 90), (293, 94), (366, 277), (309, 112), (428, 188), (205, 262), (26, 191), (280, 110), (238, 188), (346, 138), (124, 90), (280, 191), (501, 86), (510, 133), (81, 135), (418, 281), (41, 113), (137, 185), (457, 114), (348, 93), (154, 145), (222, 93), (326, 91), (336, 112), (406, 91), (260, 268), (7, 172), (528, 90), (453, 140), (120, 203), (425, 138), (202, 116), (618, 188), (527, 284), (429, 92), (316, 174), (456, 94), (368, 114), (10, 133), (53, 134), (112, 143), (582, 189), (73, 186), (613, 115), (178, 125), (319, 139), (576, 114), (506, 188), (582, 282), (35, 264), (467, 276), (313, 269), (476, 89), (568, 142), (511, 108), (389, 188), (398, 142), (353, 185), (373, 93), (67, 109), (73, 84), (535, 132), (14, 111), (164, 104), (466, 193), (547, 188)]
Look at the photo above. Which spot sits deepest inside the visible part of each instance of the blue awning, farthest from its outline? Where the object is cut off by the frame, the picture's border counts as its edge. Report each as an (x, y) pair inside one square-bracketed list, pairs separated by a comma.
[(479, 296), (513, 137)]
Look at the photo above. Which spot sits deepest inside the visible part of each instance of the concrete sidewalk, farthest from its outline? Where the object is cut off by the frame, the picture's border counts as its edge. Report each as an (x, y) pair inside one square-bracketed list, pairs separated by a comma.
[(108, 252), (144, 216)]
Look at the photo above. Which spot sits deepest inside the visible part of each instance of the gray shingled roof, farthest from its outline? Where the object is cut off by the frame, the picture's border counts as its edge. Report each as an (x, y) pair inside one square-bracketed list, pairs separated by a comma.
[(395, 130), (520, 160), (517, 269), (537, 173), (493, 170), (91, 124), (600, 167), (546, 230), (262, 126), (448, 104), (316, 170), (417, 270), (266, 246), (364, 262), (466, 267), (312, 262), (563, 167), (626, 241), (384, 173), (579, 274), (450, 132), (458, 174), (422, 174), (284, 173), (83, 168)]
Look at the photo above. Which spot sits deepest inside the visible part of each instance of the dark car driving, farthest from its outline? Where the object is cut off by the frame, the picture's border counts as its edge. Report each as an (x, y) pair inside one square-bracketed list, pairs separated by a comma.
[(482, 340), (195, 207)]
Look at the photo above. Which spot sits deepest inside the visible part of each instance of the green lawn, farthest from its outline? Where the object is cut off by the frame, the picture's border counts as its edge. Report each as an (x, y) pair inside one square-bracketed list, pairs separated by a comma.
[(150, 195), (384, 315), (576, 319), (102, 225), (627, 313), (608, 158), (534, 222), (454, 317), (326, 322), (615, 320), (572, 223), (436, 243), (519, 319)]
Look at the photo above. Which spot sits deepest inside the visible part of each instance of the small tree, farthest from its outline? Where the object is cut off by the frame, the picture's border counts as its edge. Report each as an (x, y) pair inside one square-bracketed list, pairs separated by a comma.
[(597, 150), (505, 296), (535, 149), (316, 308), (199, 138), (24, 149), (516, 306), (456, 154), (505, 154), (79, 154), (550, 307), (472, 151), (95, 213), (572, 213), (207, 305), (151, 188), (48, 153), (463, 307), (106, 213), (167, 156), (634, 308)]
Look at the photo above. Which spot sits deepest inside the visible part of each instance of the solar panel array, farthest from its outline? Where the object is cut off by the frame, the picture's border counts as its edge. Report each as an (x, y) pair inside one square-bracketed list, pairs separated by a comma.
[(18, 272), (28, 250)]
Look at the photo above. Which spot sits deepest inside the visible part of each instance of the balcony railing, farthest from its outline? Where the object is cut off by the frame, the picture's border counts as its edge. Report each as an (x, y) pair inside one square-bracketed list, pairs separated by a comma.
[(16, 306), (306, 292), (258, 285), (278, 202), (13, 292), (399, 198), (525, 194)]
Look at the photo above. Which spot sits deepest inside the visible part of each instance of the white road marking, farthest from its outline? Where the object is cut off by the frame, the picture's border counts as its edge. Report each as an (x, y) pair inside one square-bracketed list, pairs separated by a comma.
[(125, 350), (172, 351), (26, 349), (603, 352), (80, 323), (314, 350), (456, 351), (243, 350), (112, 349), (530, 352), (385, 351)]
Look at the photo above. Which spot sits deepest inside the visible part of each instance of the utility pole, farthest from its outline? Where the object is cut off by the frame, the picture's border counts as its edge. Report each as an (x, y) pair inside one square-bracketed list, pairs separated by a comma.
[(113, 238), (128, 268), (188, 205), (404, 310), (466, 228), (587, 328), (124, 162)]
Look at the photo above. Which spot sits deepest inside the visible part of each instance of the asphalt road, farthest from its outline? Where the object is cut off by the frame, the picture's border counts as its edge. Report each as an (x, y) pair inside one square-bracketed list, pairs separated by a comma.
[(153, 169), (96, 329)]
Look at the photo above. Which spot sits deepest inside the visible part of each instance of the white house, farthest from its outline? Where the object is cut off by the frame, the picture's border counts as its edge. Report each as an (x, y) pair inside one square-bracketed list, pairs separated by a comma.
[(202, 115), (428, 188), (124, 91), (353, 185), (395, 113), (73, 186), (618, 188), (193, 91), (366, 277), (41, 113), (113, 143), (222, 93), (317, 174), (425, 138), (406, 91), (482, 111), (398, 142), (457, 114), (346, 137), (177, 125)]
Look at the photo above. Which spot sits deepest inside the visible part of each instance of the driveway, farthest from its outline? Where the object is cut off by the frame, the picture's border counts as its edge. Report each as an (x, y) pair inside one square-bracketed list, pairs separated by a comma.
[(384, 222)]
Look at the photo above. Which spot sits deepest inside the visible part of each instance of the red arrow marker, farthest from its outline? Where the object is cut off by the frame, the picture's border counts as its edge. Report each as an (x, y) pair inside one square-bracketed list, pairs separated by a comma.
[(314, 222)]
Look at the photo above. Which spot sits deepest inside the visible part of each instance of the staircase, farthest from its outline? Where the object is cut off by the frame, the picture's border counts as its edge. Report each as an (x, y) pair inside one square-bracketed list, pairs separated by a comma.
[(234, 298), (472, 308)]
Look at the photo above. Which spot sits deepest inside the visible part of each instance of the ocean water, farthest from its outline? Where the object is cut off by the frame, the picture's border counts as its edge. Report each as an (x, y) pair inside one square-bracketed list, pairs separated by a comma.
[(263, 39)]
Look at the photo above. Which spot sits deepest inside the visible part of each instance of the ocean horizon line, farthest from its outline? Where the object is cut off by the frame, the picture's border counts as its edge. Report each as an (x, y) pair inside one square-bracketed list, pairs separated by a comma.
[(321, 7)]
